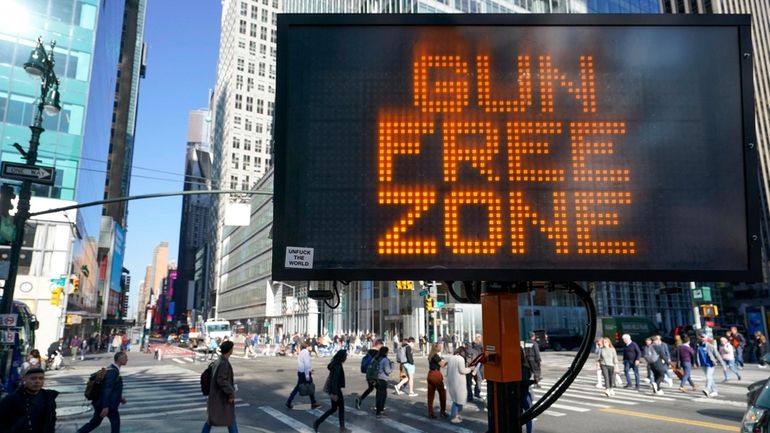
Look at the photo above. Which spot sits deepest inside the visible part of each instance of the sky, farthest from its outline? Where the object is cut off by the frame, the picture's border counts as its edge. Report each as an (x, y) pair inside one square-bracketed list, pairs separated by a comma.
[(183, 45)]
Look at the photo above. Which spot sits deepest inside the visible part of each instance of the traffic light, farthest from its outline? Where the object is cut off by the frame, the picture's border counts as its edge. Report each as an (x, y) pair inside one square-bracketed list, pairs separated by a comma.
[(405, 285), (75, 281), (7, 224), (56, 295), (709, 310), (428, 304)]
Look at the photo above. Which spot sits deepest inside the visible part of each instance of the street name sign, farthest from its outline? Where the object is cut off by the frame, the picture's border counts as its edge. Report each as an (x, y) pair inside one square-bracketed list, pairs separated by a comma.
[(516, 147), (36, 174)]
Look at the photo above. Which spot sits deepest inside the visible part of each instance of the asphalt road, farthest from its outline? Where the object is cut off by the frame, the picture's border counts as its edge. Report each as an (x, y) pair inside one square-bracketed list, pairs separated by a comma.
[(164, 396)]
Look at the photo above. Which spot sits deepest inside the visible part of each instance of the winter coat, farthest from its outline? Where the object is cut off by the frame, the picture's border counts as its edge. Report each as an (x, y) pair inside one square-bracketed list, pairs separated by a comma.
[(456, 384), (220, 412), (384, 368), (14, 417), (112, 389)]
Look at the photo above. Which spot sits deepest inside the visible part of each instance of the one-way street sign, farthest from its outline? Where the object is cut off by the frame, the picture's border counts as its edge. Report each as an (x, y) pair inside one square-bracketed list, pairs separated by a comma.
[(36, 174)]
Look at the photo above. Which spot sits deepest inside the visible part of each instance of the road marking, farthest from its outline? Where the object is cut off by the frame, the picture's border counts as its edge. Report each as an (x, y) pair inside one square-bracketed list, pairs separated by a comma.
[(602, 406), (177, 360), (452, 427), (289, 421), (333, 419), (711, 425), (170, 414), (597, 398), (574, 409), (395, 425)]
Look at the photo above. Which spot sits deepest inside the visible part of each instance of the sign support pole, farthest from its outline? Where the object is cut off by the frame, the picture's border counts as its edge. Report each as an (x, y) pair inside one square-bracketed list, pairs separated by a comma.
[(500, 321)]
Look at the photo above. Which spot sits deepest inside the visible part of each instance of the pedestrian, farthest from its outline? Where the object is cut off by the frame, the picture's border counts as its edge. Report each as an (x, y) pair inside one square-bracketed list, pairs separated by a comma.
[(608, 360), (739, 343), (727, 351), (400, 351), (111, 397), (83, 348), (525, 388), (598, 343), (30, 408), (666, 353), (436, 380), (74, 347), (220, 404), (384, 368), (709, 358), (335, 381), (532, 356), (686, 354), (117, 342), (371, 356), (212, 347), (304, 374), (632, 356), (456, 383), (653, 354), (34, 360), (478, 347), (408, 366), (760, 344)]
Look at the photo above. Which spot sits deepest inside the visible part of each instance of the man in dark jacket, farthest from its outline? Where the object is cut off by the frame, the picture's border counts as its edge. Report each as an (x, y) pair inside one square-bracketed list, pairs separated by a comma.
[(31, 409), (111, 398), (221, 401), (632, 356)]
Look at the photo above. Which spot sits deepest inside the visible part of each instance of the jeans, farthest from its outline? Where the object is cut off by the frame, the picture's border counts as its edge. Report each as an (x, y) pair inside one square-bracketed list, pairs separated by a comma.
[(739, 356), (382, 394), (232, 428), (457, 409), (113, 415), (526, 403), (369, 388), (730, 364), (710, 386), (627, 366), (338, 405), (687, 367), (608, 372), (300, 380)]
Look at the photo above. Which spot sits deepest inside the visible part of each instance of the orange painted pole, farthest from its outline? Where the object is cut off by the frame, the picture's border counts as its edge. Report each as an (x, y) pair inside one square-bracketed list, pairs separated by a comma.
[(502, 370)]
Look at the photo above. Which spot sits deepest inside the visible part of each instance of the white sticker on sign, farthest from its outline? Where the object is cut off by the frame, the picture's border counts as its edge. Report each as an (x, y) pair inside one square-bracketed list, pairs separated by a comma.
[(299, 258)]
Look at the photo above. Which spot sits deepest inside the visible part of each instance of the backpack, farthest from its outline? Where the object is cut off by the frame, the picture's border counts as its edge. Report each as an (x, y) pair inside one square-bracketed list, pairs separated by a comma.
[(373, 370), (365, 362), (94, 385), (651, 355), (401, 354), (206, 379)]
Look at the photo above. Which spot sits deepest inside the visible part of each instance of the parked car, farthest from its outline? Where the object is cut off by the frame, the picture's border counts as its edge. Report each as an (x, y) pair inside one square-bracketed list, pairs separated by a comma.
[(757, 417)]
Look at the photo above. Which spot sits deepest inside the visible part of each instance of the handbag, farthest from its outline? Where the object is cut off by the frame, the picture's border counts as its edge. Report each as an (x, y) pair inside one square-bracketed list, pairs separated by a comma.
[(306, 389), (328, 384)]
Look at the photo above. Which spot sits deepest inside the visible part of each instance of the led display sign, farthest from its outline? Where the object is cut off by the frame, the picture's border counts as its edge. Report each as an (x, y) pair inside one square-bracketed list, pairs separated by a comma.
[(515, 147)]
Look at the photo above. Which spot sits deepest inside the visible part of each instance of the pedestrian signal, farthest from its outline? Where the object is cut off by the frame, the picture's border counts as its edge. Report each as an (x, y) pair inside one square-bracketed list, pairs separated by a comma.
[(7, 224), (709, 310), (429, 303)]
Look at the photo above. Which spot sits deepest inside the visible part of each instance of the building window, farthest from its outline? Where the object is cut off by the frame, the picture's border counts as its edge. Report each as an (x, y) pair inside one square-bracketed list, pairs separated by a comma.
[(253, 31), (241, 44), (239, 64), (246, 158), (249, 84), (263, 33), (237, 120), (246, 182), (238, 101), (254, 12), (253, 48), (263, 49), (274, 19), (264, 15), (244, 9), (242, 27), (259, 128), (233, 182), (260, 106), (270, 108), (273, 36), (251, 68), (246, 146), (247, 125), (258, 145), (234, 161), (249, 103), (239, 82), (261, 69), (236, 143)]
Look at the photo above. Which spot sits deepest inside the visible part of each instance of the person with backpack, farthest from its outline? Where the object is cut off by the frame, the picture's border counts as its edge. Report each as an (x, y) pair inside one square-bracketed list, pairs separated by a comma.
[(334, 384), (653, 354), (406, 352), (709, 358), (304, 374), (366, 361), (220, 404), (30, 408), (436, 380), (110, 397), (384, 368)]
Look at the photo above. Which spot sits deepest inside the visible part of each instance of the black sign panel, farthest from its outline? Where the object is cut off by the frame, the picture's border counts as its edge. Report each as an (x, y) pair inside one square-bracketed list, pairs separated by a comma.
[(515, 147), (36, 174)]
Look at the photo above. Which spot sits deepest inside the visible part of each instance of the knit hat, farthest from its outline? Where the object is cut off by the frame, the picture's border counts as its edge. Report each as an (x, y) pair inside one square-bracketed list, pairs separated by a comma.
[(34, 370)]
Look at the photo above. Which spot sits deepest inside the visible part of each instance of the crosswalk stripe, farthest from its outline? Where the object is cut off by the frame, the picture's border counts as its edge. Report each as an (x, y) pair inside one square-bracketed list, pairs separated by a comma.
[(570, 408), (289, 421), (584, 403), (451, 427), (395, 425), (333, 419), (591, 397)]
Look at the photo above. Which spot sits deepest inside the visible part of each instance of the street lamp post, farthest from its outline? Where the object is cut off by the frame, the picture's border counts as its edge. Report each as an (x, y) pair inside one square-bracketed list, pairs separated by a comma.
[(40, 64)]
